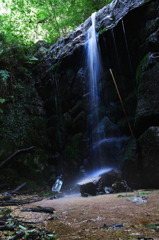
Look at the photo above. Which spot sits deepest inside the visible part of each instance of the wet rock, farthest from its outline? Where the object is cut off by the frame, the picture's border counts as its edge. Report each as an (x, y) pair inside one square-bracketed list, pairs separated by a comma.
[(148, 155), (111, 128), (147, 113), (110, 177), (130, 165), (79, 85), (120, 187), (109, 182), (106, 18), (90, 186)]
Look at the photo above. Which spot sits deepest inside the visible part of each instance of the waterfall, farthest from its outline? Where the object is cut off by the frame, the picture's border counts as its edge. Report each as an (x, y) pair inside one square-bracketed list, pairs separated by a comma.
[(116, 49), (105, 151), (127, 48), (94, 65)]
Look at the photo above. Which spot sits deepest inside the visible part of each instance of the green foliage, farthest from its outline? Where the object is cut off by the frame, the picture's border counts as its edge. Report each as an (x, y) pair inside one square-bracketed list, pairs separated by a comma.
[(32, 20), (102, 31), (146, 192), (119, 196), (5, 211), (15, 125), (2, 100), (151, 226), (4, 75)]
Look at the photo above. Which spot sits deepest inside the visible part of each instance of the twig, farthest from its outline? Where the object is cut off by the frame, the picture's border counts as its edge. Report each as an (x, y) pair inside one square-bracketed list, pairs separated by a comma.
[(39, 209), (14, 154), (5, 227), (18, 188), (17, 202)]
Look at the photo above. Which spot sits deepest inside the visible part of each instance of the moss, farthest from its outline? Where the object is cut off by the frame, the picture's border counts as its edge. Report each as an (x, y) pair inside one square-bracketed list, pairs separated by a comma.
[(102, 31)]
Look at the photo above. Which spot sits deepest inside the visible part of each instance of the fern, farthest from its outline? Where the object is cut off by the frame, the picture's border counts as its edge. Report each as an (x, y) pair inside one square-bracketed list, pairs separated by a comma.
[(2, 100), (4, 75)]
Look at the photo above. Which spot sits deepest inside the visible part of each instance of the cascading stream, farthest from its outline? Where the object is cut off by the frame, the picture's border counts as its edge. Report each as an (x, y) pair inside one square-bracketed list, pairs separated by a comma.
[(104, 151), (94, 72), (127, 48)]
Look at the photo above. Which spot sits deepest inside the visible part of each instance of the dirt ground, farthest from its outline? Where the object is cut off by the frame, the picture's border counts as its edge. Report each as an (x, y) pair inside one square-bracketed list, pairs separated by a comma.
[(88, 218)]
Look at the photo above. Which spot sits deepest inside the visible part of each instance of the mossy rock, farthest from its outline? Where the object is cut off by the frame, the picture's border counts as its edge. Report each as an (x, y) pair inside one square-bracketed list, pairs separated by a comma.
[(148, 155)]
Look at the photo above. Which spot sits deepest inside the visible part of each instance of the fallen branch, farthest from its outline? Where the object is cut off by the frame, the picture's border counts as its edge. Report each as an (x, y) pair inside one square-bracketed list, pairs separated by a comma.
[(18, 235), (5, 198), (2, 222), (13, 202), (5, 227), (14, 154), (39, 209), (17, 202), (24, 222), (18, 188)]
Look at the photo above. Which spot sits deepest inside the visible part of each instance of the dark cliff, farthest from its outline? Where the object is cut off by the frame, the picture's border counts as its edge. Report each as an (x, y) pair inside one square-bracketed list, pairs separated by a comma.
[(128, 38)]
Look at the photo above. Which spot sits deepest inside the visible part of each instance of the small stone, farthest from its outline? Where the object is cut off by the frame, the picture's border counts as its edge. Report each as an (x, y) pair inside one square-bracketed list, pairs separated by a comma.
[(120, 225)]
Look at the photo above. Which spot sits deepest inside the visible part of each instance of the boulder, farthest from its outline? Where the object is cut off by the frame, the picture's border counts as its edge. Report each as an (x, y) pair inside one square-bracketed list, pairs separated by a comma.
[(107, 182)]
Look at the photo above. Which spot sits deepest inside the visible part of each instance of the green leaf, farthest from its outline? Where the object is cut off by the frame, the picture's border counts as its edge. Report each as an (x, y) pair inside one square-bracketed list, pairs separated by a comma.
[(124, 196), (51, 236), (33, 59), (146, 192), (4, 75), (151, 226), (22, 227), (131, 237), (2, 100)]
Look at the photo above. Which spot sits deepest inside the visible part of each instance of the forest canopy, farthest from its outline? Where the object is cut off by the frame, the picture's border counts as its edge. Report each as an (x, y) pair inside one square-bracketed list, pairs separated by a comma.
[(27, 21)]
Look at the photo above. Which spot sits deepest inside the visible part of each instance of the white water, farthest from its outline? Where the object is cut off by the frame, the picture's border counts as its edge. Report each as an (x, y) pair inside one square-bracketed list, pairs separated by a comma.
[(116, 49), (94, 64), (127, 48), (91, 176), (111, 140)]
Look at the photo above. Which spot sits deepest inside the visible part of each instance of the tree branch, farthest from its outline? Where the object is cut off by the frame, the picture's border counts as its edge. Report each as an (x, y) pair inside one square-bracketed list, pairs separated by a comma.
[(14, 154)]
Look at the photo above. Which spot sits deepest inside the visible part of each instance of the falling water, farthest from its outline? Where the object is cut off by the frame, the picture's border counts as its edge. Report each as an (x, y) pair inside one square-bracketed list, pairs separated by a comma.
[(116, 49), (127, 48), (94, 72)]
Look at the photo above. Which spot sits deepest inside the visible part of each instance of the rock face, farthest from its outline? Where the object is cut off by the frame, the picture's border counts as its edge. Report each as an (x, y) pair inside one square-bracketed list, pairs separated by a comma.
[(106, 18), (22, 121), (147, 113), (59, 103), (148, 155), (128, 39), (143, 171)]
